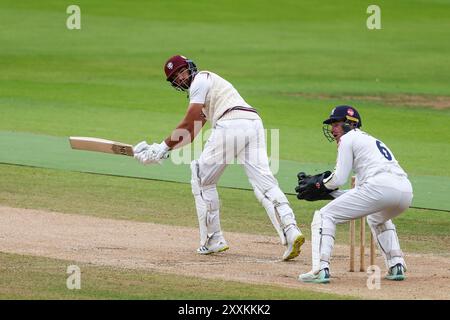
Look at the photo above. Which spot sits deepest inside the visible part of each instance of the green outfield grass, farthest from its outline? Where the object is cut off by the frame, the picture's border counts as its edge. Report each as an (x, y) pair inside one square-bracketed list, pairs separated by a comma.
[(26, 277), (55, 153), (292, 60), (172, 203), (106, 79)]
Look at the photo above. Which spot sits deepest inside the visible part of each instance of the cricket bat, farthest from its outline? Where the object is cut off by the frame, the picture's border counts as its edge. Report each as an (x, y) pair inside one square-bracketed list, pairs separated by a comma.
[(101, 145)]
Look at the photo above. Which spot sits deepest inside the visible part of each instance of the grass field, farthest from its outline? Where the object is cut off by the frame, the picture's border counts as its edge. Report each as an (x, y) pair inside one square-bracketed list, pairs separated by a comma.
[(292, 61), (171, 203), (25, 277)]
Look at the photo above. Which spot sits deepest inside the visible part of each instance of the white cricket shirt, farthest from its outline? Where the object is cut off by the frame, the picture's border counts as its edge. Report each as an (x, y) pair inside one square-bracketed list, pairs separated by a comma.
[(366, 155), (218, 95)]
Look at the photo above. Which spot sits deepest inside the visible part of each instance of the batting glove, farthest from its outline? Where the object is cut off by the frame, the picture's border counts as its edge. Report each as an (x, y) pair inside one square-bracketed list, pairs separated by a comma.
[(150, 154), (141, 146)]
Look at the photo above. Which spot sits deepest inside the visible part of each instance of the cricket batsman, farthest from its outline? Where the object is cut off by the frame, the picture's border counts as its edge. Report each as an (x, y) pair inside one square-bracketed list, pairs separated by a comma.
[(237, 135)]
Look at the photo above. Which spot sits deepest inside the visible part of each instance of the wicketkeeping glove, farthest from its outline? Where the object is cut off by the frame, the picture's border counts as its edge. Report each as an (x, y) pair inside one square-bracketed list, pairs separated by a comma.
[(311, 188)]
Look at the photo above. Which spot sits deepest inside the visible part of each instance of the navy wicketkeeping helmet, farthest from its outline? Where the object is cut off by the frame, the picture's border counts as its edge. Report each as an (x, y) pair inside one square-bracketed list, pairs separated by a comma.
[(348, 114)]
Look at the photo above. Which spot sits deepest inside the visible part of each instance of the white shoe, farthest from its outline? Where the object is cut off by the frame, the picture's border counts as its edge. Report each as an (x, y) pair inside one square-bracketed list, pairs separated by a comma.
[(213, 248), (295, 240)]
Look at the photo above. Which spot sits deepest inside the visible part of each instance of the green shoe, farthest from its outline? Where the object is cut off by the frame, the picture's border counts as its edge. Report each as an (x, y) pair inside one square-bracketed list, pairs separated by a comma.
[(396, 273), (323, 276)]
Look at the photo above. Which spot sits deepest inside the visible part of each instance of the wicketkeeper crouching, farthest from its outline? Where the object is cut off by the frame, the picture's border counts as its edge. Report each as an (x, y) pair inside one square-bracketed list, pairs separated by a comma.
[(382, 192)]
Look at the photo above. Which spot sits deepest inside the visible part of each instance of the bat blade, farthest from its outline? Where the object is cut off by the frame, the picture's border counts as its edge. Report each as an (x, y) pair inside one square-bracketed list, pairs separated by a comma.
[(101, 145)]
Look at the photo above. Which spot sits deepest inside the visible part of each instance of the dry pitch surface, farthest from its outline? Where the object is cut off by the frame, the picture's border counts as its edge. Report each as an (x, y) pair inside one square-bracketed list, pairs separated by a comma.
[(171, 249)]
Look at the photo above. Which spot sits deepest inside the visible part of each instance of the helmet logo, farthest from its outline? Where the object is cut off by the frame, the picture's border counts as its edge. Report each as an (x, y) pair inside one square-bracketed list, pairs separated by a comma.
[(170, 66), (350, 112)]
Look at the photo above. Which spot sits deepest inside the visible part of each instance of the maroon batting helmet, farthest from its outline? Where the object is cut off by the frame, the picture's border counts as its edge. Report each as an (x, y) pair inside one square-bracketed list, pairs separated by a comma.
[(176, 63)]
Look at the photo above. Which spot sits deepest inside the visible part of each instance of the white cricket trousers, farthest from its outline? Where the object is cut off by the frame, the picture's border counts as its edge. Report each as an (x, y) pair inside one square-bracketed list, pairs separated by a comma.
[(234, 141), (240, 141), (381, 198)]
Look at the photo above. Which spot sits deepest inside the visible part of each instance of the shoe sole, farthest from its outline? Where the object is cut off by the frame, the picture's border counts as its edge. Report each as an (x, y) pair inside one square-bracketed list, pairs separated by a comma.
[(211, 252), (224, 249), (296, 248), (315, 280), (396, 278), (322, 281)]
